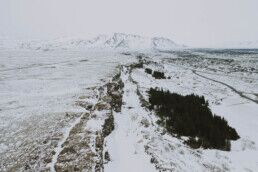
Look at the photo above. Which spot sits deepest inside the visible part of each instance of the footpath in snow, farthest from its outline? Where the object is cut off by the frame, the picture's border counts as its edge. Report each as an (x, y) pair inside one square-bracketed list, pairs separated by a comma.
[(125, 143)]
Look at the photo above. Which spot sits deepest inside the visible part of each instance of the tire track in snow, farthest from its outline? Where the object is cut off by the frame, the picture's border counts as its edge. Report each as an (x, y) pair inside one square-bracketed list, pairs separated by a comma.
[(229, 86)]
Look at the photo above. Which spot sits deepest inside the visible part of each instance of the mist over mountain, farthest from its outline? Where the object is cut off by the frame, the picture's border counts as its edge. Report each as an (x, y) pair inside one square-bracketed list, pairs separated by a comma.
[(246, 44), (117, 41)]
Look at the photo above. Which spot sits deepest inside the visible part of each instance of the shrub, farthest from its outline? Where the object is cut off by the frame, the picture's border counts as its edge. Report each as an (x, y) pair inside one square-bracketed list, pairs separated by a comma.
[(126, 53), (148, 71), (190, 116), (137, 65), (158, 75)]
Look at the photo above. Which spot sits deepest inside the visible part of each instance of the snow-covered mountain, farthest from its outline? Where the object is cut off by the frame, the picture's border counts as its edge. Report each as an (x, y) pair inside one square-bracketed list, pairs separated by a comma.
[(248, 44), (117, 41), (242, 45)]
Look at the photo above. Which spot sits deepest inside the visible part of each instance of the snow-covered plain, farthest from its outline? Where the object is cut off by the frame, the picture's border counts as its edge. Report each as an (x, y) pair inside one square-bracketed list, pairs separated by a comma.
[(43, 87), (38, 93)]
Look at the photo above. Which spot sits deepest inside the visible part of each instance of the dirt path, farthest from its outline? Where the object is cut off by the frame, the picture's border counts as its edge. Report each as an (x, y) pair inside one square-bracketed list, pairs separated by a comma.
[(229, 86)]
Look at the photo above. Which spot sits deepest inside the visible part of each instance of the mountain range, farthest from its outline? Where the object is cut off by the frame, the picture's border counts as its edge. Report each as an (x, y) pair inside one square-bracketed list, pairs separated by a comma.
[(117, 41)]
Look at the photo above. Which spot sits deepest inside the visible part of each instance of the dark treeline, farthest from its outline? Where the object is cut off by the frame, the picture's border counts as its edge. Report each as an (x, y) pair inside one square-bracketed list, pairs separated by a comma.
[(155, 74), (158, 75), (191, 116), (148, 71)]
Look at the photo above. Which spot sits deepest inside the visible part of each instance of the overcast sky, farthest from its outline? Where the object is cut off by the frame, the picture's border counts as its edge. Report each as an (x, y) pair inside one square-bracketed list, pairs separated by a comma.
[(193, 22)]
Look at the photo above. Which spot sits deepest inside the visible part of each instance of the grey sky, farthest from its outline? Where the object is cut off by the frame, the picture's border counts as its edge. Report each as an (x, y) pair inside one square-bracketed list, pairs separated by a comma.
[(193, 22)]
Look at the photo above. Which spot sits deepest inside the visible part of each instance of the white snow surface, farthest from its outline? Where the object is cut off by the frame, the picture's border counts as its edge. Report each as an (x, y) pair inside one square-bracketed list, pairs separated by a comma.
[(169, 153), (39, 90), (125, 143), (38, 94)]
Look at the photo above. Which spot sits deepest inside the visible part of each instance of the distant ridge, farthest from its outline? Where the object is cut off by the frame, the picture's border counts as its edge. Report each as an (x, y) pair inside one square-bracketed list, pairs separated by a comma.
[(117, 41), (248, 44)]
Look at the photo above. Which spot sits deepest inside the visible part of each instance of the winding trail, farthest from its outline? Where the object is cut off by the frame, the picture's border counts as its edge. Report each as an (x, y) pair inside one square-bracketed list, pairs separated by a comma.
[(229, 86), (241, 94), (210, 73), (59, 147)]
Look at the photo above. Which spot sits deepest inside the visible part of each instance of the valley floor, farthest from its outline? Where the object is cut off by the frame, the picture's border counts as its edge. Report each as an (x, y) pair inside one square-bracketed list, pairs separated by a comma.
[(62, 111)]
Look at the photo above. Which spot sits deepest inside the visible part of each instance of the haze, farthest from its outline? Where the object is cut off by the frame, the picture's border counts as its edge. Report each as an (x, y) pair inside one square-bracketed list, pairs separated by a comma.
[(199, 23)]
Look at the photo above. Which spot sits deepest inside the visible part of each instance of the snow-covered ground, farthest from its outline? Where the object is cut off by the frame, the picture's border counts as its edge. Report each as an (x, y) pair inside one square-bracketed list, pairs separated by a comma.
[(43, 122), (225, 92), (125, 143), (38, 93)]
